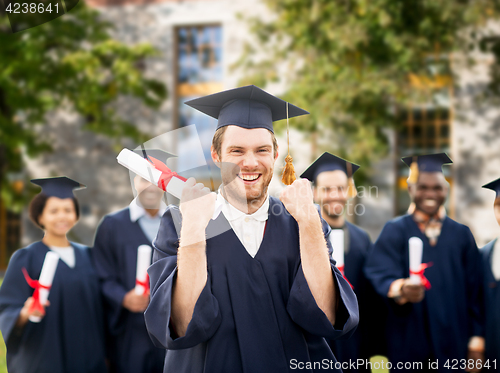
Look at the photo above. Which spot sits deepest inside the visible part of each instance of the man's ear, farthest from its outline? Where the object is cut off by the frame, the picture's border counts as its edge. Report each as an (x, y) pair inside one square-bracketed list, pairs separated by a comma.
[(277, 153), (411, 190), (215, 157)]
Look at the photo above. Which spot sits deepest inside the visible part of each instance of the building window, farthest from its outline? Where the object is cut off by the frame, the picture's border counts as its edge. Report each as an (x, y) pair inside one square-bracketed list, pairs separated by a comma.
[(199, 72)]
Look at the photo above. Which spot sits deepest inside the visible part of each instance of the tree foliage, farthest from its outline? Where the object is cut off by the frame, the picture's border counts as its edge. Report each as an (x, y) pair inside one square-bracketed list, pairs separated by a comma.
[(69, 63), (351, 62)]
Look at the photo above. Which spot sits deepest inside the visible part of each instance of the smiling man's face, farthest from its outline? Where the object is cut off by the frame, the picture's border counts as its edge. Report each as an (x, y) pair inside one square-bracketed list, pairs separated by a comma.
[(430, 192), (247, 159)]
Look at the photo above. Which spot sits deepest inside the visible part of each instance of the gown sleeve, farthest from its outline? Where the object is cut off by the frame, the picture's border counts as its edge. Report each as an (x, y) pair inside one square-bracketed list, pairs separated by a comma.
[(384, 263), (162, 273), (475, 303), (13, 294), (304, 311), (105, 262)]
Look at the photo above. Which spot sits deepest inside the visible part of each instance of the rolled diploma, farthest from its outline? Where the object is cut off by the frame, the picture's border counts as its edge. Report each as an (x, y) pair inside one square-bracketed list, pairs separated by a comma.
[(143, 262), (337, 241), (137, 164), (46, 277), (416, 246)]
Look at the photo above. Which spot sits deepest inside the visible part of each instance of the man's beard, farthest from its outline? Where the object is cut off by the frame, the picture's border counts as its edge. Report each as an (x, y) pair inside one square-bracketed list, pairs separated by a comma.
[(330, 212), (235, 189)]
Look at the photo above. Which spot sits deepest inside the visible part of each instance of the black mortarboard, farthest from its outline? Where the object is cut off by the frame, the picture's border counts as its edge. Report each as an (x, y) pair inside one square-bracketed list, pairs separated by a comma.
[(158, 154), (428, 162), (495, 186), (328, 162), (247, 107), (60, 187)]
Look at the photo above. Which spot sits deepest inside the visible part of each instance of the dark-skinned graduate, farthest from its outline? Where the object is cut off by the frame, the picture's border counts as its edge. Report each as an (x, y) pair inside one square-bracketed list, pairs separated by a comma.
[(438, 318), (66, 333), (491, 273), (264, 295), (333, 187), (116, 244)]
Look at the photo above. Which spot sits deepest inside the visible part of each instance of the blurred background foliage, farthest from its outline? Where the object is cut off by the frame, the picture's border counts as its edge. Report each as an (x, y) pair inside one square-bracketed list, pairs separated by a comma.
[(355, 64), (71, 63)]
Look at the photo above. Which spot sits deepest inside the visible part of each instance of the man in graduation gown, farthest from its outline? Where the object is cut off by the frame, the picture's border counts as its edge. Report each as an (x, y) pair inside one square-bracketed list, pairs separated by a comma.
[(440, 318), (491, 272), (263, 295), (332, 187), (115, 255)]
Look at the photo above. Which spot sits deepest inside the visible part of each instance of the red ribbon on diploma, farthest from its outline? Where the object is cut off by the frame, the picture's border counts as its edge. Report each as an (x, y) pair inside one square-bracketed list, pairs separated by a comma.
[(341, 269), (420, 273), (144, 284), (35, 284), (166, 173)]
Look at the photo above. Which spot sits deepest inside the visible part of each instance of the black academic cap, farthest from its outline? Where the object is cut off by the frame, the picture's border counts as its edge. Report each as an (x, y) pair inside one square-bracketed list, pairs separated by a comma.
[(60, 187), (328, 162), (247, 107), (428, 162), (161, 155), (495, 186)]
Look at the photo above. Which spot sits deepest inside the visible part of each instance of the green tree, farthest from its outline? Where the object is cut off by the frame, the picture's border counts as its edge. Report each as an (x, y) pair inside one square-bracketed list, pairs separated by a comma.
[(73, 63), (351, 62)]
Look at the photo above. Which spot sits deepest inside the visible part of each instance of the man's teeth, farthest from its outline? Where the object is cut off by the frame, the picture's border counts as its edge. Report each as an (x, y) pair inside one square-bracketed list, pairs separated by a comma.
[(249, 177), (429, 202)]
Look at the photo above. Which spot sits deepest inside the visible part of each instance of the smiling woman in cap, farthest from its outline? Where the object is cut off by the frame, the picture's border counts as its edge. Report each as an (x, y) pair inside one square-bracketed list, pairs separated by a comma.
[(70, 336)]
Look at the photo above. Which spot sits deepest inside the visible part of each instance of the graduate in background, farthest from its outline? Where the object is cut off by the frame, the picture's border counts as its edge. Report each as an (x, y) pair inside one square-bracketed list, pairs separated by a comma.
[(115, 255), (256, 298), (332, 187), (70, 335), (491, 271), (440, 317)]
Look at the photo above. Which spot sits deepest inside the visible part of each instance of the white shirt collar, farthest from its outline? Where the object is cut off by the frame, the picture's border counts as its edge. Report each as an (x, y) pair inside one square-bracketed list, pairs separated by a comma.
[(137, 211), (231, 213)]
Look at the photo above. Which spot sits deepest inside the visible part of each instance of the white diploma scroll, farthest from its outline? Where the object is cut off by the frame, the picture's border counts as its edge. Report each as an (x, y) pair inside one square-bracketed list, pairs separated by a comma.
[(46, 277), (416, 247), (143, 263), (337, 241), (140, 166)]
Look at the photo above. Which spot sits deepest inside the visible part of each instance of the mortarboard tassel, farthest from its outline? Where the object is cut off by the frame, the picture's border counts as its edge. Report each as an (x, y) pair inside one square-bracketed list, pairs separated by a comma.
[(351, 188), (288, 172), (413, 177)]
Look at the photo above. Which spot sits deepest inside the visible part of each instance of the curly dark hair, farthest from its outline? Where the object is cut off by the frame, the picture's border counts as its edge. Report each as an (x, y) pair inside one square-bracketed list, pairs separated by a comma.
[(37, 205)]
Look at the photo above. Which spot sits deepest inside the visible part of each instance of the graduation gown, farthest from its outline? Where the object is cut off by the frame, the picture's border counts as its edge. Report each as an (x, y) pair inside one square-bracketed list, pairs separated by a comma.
[(366, 340), (492, 308), (70, 338), (254, 315), (439, 327), (115, 256)]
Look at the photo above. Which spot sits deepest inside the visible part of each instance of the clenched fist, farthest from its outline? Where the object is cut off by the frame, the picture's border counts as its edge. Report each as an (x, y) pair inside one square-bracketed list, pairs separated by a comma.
[(298, 200), (197, 203)]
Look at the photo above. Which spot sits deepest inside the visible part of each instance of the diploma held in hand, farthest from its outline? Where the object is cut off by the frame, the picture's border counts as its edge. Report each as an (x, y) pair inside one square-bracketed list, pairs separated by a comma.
[(416, 247), (143, 263), (337, 241), (43, 285), (157, 173)]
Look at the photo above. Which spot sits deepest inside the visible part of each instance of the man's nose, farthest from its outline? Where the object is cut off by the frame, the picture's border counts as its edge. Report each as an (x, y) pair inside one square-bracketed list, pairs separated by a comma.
[(250, 160)]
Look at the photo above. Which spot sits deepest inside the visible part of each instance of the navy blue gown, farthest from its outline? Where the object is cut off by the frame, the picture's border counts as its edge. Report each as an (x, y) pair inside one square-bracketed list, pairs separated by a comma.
[(70, 338), (492, 308), (115, 257), (440, 326), (254, 314), (367, 340)]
